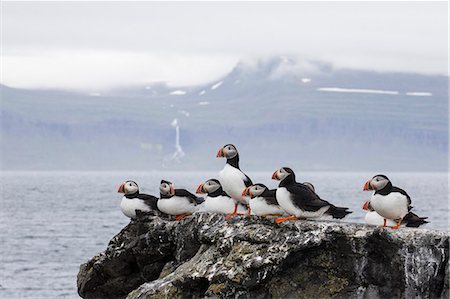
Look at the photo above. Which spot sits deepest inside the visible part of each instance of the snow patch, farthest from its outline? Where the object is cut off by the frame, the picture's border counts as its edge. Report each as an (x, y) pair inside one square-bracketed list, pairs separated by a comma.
[(178, 92), (148, 87), (419, 94), (178, 153), (216, 85), (203, 103), (95, 94), (305, 80), (356, 90), (202, 92)]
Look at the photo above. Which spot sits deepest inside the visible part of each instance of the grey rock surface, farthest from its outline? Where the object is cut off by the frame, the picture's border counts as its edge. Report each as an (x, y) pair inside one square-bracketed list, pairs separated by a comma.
[(206, 256)]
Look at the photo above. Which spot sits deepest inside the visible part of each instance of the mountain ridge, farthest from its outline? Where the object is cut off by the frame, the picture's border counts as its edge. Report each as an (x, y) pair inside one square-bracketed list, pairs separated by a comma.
[(295, 109)]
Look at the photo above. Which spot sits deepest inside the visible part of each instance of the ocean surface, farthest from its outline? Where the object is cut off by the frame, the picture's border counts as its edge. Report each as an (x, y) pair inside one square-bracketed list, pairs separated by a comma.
[(51, 222)]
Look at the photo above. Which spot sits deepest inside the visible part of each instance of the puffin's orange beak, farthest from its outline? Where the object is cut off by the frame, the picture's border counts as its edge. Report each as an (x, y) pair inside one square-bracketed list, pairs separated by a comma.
[(367, 186), (245, 192), (200, 189), (275, 176), (121, 188), (220, 153), (365, 206)]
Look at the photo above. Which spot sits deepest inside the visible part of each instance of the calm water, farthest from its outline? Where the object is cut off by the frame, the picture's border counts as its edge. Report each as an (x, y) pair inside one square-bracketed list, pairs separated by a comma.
[(51, 222)]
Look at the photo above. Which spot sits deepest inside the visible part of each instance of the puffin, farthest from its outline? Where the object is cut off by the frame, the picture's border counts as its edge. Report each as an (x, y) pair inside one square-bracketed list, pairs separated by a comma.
[(300, 201), (178, 202), (373, 218), (217, 200), (231, 177), (263, 201), (133, 200), (391, 202)]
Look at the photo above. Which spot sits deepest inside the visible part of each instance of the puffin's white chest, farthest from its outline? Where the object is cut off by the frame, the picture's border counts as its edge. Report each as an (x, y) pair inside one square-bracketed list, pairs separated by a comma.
[(219, 204), (260, 207), (176, 205), (232, 181), (391, 206), (373, 218), (284, 200), (130, 205)]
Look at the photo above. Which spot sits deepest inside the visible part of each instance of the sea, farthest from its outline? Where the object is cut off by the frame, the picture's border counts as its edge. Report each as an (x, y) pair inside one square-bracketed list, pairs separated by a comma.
[(51, 222)]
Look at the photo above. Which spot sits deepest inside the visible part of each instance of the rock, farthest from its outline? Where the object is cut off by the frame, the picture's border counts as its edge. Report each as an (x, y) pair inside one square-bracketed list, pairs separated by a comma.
[(206, 256)]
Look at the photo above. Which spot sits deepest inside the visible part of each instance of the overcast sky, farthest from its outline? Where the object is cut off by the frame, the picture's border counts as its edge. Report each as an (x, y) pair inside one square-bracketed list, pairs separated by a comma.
[(100, 45)]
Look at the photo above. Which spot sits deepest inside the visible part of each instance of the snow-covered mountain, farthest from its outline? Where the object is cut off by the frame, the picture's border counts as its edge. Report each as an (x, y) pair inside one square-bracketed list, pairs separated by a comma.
[(278, 111)]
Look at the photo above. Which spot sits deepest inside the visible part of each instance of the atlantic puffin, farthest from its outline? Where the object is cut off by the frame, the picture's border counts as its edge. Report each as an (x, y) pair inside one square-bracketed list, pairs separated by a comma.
[(300, 200), (373, 218), (231, 177), (392, 202), (178, 202), (263, 201), (133, 200), (217, 200)]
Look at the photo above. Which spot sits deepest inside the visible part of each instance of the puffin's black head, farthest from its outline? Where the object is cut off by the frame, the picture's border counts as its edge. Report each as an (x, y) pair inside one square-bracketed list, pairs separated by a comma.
[(209, 186), (128, 187), (228, 151), (283, 173), (254, 190), (378, 182), (166, 188), (310, 186)]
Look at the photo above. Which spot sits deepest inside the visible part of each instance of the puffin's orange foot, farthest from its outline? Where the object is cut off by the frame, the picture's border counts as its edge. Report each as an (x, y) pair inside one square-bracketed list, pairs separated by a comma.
[(399, 222), (229, 215), (384, 223), (282, 219), (181, 216), (248, 212)]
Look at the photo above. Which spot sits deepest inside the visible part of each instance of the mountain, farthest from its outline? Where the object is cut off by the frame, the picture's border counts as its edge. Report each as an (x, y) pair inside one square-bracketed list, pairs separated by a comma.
[(277, 111)]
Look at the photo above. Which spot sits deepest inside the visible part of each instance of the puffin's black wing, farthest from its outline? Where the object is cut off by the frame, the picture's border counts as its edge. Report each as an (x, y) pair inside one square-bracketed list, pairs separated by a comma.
[(247, 181), (399, 190), (192, 198), (149, 200), (412, 220), (306, 199), (269, 196)]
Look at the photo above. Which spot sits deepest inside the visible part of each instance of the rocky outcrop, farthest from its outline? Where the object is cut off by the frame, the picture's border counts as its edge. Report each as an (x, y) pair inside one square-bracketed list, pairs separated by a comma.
[(207, 256)]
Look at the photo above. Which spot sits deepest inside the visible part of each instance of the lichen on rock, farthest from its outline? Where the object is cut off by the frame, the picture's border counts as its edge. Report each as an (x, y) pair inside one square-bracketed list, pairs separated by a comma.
[(250, 257)]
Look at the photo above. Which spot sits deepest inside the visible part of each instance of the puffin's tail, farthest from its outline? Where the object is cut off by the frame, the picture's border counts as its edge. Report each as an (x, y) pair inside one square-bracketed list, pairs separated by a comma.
[(412, 220), (338, 212)]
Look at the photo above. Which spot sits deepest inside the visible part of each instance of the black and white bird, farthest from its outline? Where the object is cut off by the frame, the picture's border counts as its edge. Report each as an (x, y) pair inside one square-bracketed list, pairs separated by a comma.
[(392, 203), (373, 218), (133, 200), (177, 202), (217, 200), (263, 201), (231, 177), (300, 201)]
